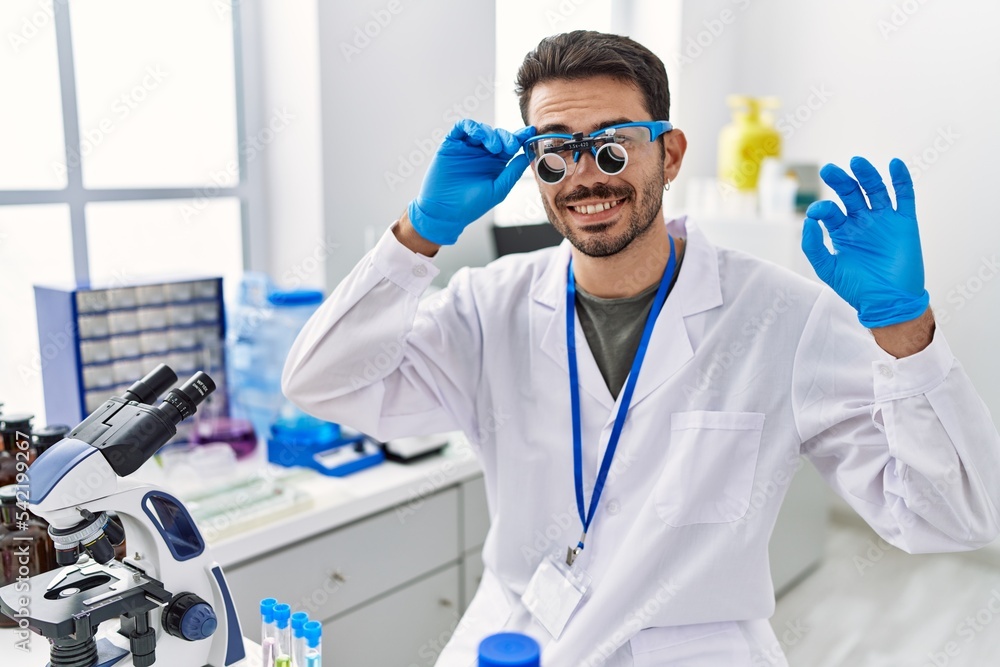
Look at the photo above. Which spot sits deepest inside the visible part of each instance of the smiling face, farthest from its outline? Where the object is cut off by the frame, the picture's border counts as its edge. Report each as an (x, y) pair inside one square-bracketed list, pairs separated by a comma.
[(601, 215)]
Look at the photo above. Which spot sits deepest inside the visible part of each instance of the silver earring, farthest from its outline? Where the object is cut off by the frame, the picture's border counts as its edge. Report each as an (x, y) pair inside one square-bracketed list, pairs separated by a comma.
[(666, 186)]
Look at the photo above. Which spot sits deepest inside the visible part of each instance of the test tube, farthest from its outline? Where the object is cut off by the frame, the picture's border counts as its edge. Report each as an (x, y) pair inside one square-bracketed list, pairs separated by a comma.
[(268, 632), (313, 631), (282, 615), (299, 619)]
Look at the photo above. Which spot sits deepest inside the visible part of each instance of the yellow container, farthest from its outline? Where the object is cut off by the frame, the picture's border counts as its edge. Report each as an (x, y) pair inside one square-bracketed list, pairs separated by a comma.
[(745, 142)]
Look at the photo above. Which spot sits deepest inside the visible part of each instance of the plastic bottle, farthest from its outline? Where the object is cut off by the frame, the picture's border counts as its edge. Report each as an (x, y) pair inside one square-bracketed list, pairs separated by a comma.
[(776, 191), (262, 331), (282, 617), (313, 631), (746, 141), (509, 649), (299, 619), (268, 632)]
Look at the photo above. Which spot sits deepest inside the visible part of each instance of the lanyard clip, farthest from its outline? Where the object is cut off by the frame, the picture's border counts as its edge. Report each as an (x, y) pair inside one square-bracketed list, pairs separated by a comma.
[(573, 552)]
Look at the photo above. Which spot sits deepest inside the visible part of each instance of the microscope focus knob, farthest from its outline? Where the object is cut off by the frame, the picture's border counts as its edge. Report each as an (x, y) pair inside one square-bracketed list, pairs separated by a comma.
[(189, 617)]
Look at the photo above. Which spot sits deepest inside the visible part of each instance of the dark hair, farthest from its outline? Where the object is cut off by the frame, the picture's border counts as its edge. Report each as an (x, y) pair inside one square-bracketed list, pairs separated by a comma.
[(585, 53)]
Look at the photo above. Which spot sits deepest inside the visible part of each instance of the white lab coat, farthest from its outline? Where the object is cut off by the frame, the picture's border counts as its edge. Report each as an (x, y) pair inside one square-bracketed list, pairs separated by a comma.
[(748, 367)]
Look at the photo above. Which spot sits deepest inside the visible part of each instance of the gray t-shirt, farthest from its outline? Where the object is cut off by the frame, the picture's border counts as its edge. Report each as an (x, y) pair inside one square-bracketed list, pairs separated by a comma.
[(613, 328)]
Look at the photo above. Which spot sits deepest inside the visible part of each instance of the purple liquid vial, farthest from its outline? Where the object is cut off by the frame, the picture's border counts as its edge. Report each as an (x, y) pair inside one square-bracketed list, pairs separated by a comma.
[(237, 433)]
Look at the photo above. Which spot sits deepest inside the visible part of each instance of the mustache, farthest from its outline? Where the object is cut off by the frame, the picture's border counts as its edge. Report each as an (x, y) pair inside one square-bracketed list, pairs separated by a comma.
[(599, 191)]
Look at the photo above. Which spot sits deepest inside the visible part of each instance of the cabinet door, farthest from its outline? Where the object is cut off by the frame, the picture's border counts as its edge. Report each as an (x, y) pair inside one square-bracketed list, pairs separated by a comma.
[(475, 514), (472, 574), (405, 629)]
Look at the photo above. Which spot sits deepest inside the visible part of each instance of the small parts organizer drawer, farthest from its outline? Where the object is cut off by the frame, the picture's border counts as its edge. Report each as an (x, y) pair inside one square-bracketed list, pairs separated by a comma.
[(96, 341)]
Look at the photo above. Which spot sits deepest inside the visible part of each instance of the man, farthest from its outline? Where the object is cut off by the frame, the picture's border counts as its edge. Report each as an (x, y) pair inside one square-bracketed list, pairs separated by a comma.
[(744, 367)]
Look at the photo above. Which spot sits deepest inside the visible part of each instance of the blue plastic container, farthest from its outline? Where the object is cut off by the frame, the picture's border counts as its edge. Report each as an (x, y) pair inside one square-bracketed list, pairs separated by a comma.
[(263, 325), (509, 649)]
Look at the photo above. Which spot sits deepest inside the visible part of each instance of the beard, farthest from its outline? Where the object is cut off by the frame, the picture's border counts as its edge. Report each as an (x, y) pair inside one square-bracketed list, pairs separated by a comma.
[(601, 243)]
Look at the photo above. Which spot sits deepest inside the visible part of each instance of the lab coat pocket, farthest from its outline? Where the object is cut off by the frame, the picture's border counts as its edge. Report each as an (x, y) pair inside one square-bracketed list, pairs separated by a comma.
[(701, 645), (709, 469)]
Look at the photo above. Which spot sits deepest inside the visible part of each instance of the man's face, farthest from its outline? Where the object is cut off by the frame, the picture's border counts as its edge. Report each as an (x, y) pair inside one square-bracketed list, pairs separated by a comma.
[(635, 194)]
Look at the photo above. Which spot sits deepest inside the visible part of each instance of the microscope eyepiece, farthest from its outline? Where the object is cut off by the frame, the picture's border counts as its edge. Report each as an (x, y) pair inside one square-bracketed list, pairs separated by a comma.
[(150, 387), (131, 428), (182, 402)]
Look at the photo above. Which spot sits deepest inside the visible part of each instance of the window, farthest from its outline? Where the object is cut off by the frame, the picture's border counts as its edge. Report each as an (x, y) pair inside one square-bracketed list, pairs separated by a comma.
[(125, 159)]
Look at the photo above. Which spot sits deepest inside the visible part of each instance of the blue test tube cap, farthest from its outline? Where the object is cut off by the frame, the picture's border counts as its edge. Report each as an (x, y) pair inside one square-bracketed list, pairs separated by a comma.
[(299, 619), (509, 649), (282, 612), (267, 609), (313, 632)]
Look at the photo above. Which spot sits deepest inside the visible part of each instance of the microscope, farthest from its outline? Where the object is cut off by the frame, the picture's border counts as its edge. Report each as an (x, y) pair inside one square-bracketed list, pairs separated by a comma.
[(168, 597)]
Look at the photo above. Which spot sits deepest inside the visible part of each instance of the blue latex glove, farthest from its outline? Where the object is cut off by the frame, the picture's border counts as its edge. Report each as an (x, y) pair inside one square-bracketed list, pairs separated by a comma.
[(877, 266), (471, 173)]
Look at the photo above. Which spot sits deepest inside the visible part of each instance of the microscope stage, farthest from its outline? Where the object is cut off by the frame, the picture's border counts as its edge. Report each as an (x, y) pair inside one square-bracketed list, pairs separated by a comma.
[(88, 593)]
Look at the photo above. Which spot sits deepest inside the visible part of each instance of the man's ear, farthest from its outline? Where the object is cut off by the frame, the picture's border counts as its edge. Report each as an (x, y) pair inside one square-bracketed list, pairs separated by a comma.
[(674, 147)]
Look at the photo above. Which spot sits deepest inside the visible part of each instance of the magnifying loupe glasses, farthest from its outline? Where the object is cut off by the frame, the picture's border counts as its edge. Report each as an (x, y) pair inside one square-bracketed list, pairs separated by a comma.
[(610, 147)]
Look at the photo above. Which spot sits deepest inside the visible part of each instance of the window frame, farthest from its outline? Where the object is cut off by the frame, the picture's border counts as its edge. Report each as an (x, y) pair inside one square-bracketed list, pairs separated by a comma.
[(248, 190)]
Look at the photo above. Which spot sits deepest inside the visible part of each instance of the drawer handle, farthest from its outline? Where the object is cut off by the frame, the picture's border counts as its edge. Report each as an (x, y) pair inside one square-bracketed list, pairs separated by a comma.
[(445, 602), (338, 577)]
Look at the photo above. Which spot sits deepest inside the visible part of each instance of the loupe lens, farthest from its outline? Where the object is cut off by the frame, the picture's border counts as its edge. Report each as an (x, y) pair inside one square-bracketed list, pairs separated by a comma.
[(551, 168), (611, 158)]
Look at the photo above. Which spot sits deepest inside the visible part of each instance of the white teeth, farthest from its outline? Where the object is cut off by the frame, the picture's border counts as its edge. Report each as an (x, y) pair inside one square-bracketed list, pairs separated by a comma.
[(590, 209)]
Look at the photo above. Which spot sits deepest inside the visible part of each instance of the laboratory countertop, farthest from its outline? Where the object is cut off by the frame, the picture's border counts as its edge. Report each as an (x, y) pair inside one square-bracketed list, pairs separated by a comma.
[(37, 653), (337, 501)]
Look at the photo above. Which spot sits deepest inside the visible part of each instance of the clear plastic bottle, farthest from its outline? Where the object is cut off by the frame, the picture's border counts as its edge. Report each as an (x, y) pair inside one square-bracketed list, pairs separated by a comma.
[(313, 630), (282, 618), (268, 632), (299, 619), (262, 327), (509, 649)]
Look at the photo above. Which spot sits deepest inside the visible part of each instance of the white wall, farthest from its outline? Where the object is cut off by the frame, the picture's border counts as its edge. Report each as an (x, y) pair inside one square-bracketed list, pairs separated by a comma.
[(373, 86), (386, 107), (889, 95), (286, 55)]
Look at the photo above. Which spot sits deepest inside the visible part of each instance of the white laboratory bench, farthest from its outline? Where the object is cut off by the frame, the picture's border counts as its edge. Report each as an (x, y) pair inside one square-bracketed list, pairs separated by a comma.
[(338, 501)]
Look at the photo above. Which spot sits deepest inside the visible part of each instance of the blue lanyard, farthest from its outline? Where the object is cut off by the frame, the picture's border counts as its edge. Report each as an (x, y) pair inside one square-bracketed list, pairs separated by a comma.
[(626, 399)]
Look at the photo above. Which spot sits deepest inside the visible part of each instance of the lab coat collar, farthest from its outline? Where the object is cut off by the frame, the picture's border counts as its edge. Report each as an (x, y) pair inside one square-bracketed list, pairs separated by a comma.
[(698, 288)]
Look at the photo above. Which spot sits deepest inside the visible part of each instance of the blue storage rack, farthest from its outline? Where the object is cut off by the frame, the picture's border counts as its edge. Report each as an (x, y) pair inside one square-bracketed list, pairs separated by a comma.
[(95, 340)]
